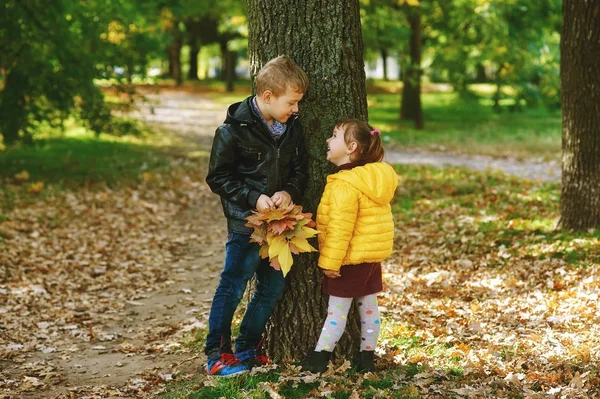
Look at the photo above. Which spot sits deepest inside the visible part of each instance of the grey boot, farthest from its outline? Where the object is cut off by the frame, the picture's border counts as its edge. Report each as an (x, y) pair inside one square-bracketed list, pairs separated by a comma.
[(365, 362), (316, 362)]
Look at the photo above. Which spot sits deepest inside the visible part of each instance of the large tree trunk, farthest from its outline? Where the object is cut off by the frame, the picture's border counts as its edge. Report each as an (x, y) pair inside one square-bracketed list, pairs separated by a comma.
[(580, 83), (325, 39), (411, 108)]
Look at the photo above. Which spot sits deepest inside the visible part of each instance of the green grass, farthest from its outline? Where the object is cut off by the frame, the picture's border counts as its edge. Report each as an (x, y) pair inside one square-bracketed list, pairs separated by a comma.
[(252, 386), (506, 209), (470, 126), (78, 157)]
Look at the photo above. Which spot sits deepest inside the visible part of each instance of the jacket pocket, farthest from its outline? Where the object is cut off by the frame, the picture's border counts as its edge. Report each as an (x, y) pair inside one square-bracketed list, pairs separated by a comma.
[(251, 153)]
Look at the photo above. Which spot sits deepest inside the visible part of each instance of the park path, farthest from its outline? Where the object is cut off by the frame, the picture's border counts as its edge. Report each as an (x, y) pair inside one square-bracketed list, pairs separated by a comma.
[(198, 116)]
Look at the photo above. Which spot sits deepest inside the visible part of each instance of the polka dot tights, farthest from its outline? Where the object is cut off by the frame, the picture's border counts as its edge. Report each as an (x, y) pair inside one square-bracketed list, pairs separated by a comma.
[(337, 314)]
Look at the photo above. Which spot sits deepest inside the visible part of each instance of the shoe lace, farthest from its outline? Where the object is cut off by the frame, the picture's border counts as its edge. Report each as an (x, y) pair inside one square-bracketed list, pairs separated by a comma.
[(229, 359), (263, 359)]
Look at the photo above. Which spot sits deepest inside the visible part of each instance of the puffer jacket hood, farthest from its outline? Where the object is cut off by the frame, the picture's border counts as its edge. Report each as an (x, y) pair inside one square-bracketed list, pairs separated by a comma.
[(377, 180)]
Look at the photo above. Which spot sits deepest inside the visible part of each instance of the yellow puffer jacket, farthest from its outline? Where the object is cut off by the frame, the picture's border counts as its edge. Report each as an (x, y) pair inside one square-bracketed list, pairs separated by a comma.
[(354, 217)]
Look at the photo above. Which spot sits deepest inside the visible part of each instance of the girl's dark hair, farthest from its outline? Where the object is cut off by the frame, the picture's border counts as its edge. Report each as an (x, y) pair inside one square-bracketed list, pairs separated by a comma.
[(370, 147)]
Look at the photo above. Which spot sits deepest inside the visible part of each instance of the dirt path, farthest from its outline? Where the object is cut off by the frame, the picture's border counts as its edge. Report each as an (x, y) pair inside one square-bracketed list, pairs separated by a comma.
[(544, 171), (196, 115)]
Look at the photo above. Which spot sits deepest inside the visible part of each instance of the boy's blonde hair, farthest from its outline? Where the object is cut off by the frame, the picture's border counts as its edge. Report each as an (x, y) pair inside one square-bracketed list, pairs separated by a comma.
[(279, 74)]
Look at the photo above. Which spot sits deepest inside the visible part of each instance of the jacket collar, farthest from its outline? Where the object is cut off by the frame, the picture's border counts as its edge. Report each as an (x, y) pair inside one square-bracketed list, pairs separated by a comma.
[(241, 113)]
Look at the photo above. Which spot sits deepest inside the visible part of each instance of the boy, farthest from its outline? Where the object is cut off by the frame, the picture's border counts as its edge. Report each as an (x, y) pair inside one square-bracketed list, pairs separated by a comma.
[(258, 161)]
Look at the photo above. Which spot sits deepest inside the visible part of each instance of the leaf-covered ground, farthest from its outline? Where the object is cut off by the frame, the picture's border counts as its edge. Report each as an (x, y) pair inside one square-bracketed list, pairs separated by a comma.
[(483, 299), (99, 283)]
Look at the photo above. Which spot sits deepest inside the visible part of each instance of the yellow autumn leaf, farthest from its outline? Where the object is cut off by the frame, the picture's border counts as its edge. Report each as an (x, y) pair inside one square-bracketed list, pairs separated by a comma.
[(36, 187), (276, 245), (305, 232), (302, 244), (22, 176), (285, 259), (264, 252), (147, 176)]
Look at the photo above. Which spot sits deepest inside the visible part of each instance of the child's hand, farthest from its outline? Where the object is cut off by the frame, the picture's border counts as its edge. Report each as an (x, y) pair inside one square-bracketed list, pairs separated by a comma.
[(281, 199), (332, 273), (264, 203)]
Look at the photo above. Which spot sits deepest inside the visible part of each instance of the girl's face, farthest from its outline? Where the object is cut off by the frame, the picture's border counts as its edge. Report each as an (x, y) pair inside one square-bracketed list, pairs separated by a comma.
[(338, 152)]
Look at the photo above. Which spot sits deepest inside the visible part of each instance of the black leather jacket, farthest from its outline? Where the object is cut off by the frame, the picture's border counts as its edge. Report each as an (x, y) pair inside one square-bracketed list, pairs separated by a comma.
[(245, 162)]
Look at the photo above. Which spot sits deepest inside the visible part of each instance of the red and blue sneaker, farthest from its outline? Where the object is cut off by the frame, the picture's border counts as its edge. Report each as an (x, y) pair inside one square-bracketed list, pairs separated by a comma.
[(252, 358), (224, 365)]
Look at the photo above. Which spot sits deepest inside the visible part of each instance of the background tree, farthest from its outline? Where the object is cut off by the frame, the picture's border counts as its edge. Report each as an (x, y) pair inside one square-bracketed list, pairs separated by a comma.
[(384, 30), (512, 44), (411, 107), (324, 38), (580, 57), (49, 54)]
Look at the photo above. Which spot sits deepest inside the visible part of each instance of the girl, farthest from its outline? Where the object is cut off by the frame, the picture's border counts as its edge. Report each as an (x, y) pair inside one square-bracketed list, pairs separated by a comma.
[(356, 231)]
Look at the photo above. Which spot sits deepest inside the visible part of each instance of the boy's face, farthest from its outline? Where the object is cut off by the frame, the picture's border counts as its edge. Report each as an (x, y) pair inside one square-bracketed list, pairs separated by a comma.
[(282, 107)]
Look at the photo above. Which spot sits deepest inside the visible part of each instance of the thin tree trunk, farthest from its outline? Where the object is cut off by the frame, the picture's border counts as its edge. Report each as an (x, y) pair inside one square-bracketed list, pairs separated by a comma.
[(175, 56), (194, 50), (411, 108), (230, 71), (325, 39), (384, 57), (224, 60), (580, 97), (13, 105)]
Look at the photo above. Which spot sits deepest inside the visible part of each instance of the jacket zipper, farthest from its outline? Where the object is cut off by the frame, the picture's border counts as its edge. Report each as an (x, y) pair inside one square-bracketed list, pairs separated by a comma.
[(278, 178)]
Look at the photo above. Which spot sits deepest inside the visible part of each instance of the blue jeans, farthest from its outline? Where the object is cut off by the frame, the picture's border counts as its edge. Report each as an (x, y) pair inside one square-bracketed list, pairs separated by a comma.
[(242, 261)]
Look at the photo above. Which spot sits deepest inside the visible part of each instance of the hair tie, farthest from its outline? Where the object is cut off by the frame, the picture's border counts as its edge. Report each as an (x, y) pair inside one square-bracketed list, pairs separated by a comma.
[(375, 131)]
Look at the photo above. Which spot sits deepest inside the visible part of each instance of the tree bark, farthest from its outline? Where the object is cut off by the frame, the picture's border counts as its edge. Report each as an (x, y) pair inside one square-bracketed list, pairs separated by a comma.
[(411, 108), (325, 39), (580, 97)]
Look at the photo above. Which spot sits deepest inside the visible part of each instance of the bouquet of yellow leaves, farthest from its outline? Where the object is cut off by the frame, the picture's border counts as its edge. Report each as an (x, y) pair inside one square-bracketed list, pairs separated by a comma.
[(282, 232)]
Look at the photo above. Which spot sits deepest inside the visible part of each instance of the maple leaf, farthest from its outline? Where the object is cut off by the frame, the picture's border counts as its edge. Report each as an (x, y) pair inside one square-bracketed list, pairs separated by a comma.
[(285, 259), (264, 252), (275, 264), (276, 245), (259, 234), (279, 226), (302, 244), (256, 219), (294, 249)]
